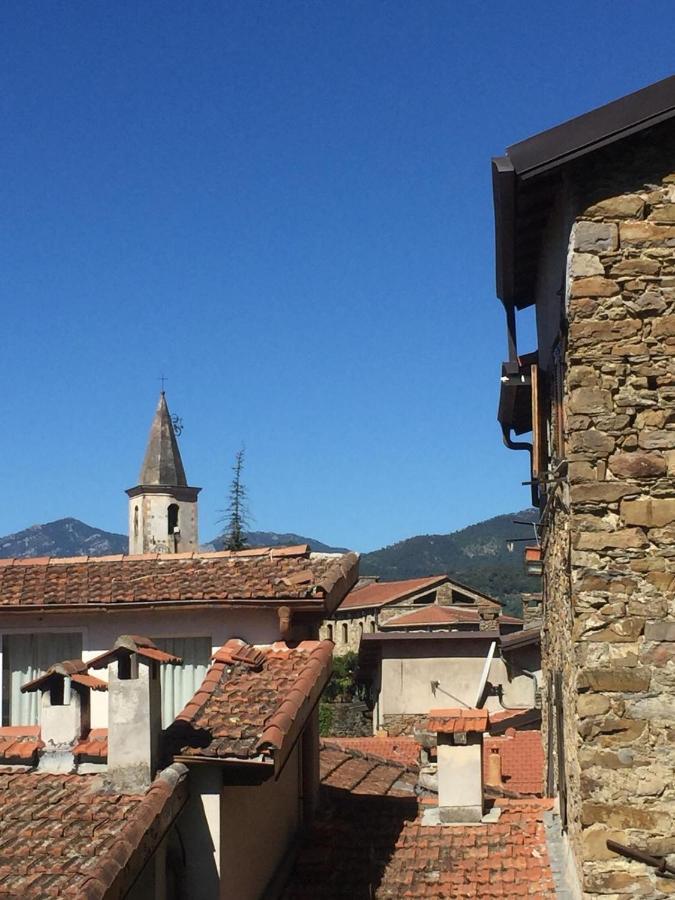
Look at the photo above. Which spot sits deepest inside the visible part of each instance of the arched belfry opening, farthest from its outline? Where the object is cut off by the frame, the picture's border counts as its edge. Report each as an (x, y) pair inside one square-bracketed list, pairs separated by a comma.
[(162, 506)]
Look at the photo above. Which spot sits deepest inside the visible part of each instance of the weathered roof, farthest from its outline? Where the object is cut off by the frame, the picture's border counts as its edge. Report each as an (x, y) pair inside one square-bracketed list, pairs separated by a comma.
[(251, 705), (403, 750), (263, 574), (368, 841), (380, 593), (66, 836), (128, 644), (19, 745), (347, 769), (522, 760), (458, 721), (75, 669), (162, 463), (525, 638), (434, 616), (525, 180)]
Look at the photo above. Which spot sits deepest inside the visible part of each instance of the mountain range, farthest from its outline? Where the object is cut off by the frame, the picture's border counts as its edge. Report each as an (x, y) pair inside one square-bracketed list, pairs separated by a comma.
[(478, 555)]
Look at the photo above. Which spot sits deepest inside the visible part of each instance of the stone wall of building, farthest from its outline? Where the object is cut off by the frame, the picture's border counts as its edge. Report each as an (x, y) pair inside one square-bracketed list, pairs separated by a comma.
[(347, 629), (609, 600)]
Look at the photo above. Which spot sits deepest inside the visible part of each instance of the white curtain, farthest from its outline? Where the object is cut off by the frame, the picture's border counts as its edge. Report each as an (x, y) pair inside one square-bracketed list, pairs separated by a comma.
[(179, 683), (24, 657)]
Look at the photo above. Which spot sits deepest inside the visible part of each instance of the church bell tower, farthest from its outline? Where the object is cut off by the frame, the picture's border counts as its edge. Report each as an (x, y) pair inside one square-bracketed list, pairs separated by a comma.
[(162, 508)]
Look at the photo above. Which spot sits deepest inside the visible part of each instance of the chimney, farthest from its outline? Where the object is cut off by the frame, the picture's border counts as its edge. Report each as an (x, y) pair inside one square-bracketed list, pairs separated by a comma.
[(459, 748), (64, 711), (134, 710)]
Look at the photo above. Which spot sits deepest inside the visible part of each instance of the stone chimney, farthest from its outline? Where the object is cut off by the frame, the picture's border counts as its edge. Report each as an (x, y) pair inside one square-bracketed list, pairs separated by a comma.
[(134, 710), (459, 748), (64, 711)]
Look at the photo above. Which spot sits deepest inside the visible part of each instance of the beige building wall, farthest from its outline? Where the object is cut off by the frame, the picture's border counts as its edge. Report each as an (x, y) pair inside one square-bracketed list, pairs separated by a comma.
[(415, 678), (346, 632), (258, 825)]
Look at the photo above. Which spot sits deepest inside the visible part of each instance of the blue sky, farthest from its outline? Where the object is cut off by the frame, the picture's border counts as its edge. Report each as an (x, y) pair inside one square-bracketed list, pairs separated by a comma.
[(286, 208)]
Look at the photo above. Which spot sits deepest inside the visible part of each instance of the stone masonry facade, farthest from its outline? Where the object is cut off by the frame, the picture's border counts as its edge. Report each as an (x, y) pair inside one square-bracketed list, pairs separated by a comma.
[(608, 526)]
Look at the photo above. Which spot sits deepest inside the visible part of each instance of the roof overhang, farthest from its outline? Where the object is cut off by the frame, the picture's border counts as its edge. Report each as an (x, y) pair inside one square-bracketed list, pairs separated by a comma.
[(524, 180), (528, 637)]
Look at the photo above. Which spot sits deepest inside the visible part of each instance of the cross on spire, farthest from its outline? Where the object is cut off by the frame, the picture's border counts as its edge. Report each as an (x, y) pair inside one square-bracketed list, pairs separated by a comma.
[(163, 378)]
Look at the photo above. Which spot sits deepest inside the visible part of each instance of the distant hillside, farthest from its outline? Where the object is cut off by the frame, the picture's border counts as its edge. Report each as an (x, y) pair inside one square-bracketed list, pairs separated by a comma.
[(274, 539), (70, 537), (64, 537), (477, 555)]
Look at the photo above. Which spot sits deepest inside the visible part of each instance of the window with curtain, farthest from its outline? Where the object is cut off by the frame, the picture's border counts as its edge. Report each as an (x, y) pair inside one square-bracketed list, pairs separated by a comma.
[(179, 683), (25, 657)]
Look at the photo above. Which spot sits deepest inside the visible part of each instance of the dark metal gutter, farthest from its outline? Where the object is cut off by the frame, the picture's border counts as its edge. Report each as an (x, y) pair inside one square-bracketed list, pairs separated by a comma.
[(544, 155)]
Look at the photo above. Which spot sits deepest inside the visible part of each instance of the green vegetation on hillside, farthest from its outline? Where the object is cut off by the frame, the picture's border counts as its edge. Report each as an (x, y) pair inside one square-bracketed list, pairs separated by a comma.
[(477, 556)]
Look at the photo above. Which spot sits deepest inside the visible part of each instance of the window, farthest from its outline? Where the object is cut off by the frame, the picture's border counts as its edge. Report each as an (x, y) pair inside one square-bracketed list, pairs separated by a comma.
[(135, 521), (25, 657), (345, 633), (329, 631), (372, 627), (172, 517), (180, 683)]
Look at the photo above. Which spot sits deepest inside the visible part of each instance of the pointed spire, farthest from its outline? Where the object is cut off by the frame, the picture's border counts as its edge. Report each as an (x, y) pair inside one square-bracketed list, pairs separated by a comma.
[(162, 463)]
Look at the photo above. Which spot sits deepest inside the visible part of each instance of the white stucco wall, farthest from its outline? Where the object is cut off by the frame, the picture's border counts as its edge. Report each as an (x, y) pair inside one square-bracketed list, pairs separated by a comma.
[(408, 671), (100, 629)]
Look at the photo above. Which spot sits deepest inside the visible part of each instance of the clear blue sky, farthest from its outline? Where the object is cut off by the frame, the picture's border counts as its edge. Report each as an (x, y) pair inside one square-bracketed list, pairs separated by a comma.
[(285, 207)]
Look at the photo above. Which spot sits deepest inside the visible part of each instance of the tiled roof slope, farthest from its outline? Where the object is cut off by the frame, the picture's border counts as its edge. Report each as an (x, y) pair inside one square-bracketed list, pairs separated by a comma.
[(379, 593), (247, 708), (19, 744), (368, 842), (522, 760), (64, 836), (403, 750), (434, 615), (362, 773), (283, 574)]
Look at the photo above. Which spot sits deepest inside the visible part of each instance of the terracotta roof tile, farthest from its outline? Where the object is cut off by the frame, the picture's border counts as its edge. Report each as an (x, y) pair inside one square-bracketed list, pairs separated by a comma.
[(458, 721), (522, 760), (369, 842), (64, 836), (260, 574), (250, 705), (19, 742), (434, 615), (379, 593), (402, 750), (94, 746)]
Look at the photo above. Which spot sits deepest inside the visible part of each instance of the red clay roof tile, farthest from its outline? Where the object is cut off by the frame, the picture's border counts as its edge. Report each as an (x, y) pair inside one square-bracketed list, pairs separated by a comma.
[(458, 721), (247, 708), (434, 615), (368, 841), (64, 836), (259, 574), (379, 593)]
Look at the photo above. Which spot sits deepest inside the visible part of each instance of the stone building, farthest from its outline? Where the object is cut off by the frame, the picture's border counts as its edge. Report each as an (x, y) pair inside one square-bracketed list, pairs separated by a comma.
[(585, 234), (162, 507), (371, 603)]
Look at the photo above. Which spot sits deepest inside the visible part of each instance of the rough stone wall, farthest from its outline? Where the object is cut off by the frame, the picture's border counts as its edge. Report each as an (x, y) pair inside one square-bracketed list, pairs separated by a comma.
[(613, 632), (397, 724), (355, 626)]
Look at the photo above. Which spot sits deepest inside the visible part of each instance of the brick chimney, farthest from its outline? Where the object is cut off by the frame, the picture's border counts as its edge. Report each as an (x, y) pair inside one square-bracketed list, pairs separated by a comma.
[(459, 748), (64, 711), (134, 710)]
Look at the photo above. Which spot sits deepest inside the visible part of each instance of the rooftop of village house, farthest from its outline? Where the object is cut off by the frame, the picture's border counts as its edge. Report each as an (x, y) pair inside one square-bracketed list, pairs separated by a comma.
[(252, 705), (273, 574), (369, 839)]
